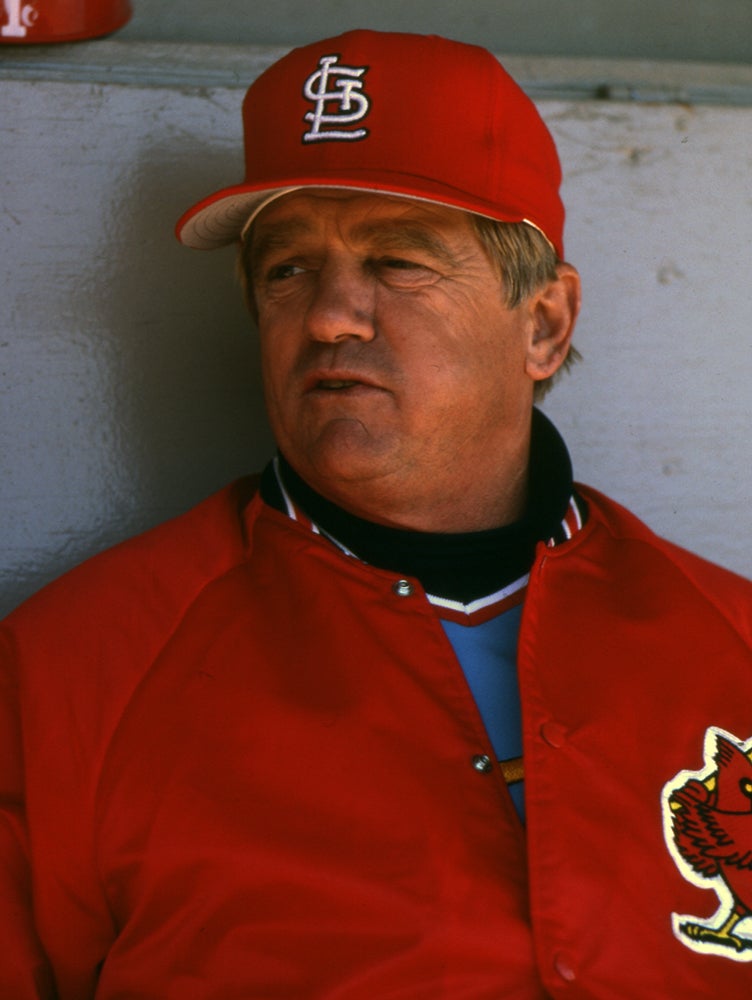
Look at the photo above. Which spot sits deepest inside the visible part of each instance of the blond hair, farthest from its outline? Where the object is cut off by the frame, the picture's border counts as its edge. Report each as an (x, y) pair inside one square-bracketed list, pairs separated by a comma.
[(526, 262)]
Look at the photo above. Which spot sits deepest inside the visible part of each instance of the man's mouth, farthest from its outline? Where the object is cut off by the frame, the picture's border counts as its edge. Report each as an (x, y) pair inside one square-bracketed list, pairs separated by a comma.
[(350, 382), (336, 383)]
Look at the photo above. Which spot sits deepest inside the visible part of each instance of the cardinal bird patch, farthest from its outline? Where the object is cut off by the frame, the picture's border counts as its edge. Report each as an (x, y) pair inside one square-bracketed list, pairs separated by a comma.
[(707, 823)]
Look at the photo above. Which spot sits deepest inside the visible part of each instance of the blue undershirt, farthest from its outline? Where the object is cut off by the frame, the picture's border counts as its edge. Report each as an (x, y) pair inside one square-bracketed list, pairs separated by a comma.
[(488, 656)]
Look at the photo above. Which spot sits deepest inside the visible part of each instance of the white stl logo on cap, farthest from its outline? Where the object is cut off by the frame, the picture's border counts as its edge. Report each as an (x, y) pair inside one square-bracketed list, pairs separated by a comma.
[(347, 89), (21, 17)]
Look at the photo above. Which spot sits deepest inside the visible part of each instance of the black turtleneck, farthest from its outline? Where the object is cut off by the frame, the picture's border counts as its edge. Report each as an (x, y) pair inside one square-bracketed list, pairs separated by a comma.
[(458, 566)]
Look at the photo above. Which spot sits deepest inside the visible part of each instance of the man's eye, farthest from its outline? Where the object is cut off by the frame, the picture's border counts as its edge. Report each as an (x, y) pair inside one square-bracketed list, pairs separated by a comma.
[(402, 272), (399, 264), (280, 272)]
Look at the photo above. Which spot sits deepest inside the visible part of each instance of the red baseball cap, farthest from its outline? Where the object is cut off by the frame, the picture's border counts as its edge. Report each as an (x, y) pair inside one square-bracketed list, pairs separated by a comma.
[(27, 22), (391, 113)]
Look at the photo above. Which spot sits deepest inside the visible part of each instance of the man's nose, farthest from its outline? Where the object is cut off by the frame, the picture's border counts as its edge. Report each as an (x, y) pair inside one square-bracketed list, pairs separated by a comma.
[(342, 303)]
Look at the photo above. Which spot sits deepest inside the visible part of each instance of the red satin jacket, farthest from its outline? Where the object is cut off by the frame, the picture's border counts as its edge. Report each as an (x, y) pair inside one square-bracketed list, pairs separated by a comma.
[(236, 763)]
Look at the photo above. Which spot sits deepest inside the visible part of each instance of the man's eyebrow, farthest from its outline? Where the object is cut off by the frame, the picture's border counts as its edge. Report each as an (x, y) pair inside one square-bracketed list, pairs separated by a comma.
[(277, 237), (382, 236), (390, 236)]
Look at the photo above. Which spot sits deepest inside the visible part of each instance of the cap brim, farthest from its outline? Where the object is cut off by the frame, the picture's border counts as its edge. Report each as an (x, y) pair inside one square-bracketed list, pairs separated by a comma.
[(222, 218)]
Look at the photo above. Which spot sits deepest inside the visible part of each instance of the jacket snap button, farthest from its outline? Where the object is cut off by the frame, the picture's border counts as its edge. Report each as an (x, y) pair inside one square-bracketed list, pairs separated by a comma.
[(554, 734), (483, 763), (403, 588), (563, 966)]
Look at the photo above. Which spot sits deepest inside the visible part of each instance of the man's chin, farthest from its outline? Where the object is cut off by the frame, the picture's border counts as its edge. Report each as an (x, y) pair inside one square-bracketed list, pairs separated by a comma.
[(343, 456)]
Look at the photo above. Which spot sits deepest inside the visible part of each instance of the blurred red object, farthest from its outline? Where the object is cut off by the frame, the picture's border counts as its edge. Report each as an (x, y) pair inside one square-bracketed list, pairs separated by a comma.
[(33, 21)]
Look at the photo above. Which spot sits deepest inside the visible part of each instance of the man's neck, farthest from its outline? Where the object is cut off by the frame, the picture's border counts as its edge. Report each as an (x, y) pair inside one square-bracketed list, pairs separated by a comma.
[(466, 507), (461, 565)]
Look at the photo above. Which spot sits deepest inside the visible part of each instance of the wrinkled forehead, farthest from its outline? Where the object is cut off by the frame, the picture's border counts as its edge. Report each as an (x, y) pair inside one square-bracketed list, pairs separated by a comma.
[(315, 203), (364, 220)]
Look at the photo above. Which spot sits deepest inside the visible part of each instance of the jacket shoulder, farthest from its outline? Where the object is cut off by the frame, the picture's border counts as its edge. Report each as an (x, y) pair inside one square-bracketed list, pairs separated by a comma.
[(158, 571), (728, 591)]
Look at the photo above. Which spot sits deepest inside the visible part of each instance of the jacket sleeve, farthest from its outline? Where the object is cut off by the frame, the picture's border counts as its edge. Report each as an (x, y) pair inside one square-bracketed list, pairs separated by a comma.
[(24, 970)]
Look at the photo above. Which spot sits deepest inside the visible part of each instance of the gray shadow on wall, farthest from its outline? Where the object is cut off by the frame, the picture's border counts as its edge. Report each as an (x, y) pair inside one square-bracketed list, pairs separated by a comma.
[(189, 403), (151, 395)]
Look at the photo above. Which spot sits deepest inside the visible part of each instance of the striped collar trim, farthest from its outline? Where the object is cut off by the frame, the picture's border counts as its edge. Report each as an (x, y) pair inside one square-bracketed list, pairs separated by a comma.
[(296, 513), (572, 522), (482, 608)]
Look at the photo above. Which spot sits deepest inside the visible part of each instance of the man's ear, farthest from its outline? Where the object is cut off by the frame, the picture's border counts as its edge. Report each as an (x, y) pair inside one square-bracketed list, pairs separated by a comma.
[(554, 309)]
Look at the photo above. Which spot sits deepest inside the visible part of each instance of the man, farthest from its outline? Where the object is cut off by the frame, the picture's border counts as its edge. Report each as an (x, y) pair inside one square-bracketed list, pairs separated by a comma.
[(411, 716)]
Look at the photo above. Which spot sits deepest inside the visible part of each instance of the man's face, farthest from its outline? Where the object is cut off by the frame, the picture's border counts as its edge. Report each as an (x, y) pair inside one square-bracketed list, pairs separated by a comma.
[(394, 375)]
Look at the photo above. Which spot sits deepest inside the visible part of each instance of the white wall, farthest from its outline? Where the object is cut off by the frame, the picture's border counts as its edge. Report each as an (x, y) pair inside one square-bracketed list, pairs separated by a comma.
[(660, 413), (704, 30), (128, 375)]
